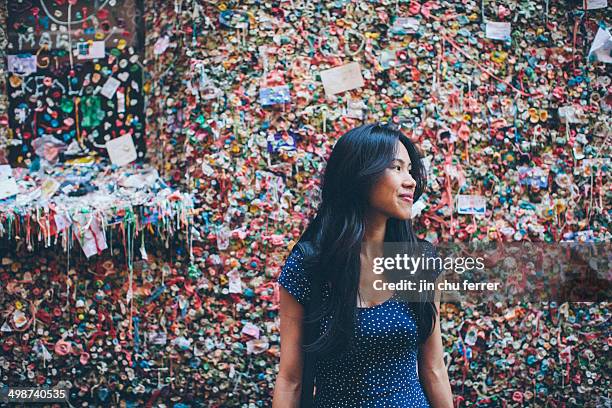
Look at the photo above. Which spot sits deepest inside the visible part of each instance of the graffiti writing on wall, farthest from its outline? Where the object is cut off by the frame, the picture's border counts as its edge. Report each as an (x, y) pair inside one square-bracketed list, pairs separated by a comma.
[(74, 77)]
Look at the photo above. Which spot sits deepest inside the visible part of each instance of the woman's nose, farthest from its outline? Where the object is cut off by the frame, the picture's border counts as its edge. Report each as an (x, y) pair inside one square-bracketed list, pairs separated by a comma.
[(409, 181)]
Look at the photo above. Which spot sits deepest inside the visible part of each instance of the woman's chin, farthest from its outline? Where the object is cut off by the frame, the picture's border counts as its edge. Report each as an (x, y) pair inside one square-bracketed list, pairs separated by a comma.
[(404, 216)]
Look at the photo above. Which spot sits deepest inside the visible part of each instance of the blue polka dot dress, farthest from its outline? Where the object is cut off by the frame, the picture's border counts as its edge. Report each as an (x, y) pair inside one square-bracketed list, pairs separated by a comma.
[(380, 371)]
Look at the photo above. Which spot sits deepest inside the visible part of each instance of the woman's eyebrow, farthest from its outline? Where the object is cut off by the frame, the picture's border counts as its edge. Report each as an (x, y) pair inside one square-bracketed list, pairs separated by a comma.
[(401, 161)]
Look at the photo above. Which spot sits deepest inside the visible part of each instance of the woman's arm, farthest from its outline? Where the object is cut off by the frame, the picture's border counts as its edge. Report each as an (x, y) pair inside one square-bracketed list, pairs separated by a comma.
[(432, 370), (288, 387)]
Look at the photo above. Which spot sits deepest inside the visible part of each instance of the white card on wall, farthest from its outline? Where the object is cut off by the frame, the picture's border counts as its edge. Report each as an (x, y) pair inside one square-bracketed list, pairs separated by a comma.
[(110, 87), (121, 150), (342, 78), (596, 4), (235, 283), (498, 30)]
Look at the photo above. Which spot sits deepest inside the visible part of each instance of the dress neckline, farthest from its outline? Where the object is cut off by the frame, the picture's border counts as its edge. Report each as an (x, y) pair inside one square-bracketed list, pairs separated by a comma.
[(379, 304)]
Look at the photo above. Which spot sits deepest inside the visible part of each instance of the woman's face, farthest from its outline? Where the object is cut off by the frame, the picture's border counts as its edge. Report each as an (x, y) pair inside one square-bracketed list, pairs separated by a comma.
[(394, 192)]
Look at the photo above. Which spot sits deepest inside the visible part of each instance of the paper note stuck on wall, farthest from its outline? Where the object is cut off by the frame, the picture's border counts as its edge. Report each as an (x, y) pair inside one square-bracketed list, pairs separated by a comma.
[(343, 78), (8, 185), (121, 150), (498, 30), (110, 87)]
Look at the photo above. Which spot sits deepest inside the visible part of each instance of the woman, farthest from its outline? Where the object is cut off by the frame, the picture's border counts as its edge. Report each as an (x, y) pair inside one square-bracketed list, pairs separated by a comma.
[(367, 351)]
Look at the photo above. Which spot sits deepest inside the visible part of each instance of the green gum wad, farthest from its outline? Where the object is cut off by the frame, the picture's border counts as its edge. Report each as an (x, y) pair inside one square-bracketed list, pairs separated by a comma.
[(67, 105)]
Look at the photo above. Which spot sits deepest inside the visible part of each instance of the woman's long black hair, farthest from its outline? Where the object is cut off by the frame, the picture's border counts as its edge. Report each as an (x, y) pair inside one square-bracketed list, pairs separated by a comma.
[(356, 163)]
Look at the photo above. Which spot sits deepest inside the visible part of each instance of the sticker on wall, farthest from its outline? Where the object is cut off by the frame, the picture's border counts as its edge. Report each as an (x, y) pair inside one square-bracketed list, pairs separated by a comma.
[(471, 204), (535, 177), (405, 25), (21, 64), (274, 95), (90, 50)]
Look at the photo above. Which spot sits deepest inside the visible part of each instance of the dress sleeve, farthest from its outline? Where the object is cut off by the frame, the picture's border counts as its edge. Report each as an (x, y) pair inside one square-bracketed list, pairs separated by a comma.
[(293, 277)]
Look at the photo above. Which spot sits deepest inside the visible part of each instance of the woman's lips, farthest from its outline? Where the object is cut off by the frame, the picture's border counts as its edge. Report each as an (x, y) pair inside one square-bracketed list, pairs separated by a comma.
[(406, 197)]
